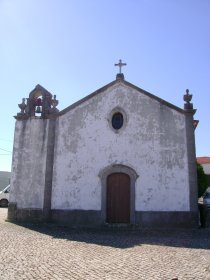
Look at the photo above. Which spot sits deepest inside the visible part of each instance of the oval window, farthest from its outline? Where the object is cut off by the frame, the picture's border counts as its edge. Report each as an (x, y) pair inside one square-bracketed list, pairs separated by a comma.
[(117, 120)]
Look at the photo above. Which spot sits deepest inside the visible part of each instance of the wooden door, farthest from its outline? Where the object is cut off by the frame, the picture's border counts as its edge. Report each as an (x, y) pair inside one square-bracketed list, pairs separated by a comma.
[(118, 198)]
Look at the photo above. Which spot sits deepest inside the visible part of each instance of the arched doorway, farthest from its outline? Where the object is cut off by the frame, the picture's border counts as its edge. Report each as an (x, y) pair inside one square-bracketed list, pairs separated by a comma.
[(118, 198), (119, 173)]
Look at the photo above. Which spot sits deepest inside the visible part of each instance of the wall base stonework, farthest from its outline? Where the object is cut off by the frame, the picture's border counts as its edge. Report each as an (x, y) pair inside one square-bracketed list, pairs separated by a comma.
[(93, 218), (77, 217), (25, 214), (12, 212), (167, 219)]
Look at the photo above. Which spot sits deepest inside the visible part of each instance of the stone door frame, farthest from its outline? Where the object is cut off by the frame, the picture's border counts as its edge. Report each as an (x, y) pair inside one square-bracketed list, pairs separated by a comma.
[(118, 168)]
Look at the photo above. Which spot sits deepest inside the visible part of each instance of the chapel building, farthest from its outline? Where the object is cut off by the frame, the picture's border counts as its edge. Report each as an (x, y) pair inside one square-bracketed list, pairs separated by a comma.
[(121, 155)]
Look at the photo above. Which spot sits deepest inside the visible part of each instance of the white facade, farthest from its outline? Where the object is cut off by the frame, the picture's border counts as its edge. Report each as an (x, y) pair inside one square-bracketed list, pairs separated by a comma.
[(152, 142)]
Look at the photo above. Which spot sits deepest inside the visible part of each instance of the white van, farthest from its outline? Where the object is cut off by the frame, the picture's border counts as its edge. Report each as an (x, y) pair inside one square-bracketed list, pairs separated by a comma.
[(4, 197)]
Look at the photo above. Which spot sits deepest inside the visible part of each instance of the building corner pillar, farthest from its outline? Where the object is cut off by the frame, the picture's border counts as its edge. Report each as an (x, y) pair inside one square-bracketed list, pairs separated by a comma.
[(49, 170), (191, 157)]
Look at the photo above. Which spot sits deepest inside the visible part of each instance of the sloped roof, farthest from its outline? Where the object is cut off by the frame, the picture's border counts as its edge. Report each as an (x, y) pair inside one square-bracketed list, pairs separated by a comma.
[(203, 160), (127, 84)]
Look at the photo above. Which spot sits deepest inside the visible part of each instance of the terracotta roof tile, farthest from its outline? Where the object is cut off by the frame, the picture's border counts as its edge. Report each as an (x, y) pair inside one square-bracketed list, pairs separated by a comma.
[(203, 160)]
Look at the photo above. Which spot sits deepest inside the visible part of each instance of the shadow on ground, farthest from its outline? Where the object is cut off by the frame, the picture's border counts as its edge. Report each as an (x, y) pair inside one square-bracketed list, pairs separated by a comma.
[(126, 238)]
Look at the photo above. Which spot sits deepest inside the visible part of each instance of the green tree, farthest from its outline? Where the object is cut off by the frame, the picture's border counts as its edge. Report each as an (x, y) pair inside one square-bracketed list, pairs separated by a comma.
[(202, 180)]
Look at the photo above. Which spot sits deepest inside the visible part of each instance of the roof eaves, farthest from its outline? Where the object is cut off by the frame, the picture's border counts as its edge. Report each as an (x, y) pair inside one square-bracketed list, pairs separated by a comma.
[(77, 103), (162, 101), (203, 160)]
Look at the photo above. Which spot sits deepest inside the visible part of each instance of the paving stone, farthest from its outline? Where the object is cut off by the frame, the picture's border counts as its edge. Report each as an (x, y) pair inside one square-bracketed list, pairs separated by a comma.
[(58, 253)]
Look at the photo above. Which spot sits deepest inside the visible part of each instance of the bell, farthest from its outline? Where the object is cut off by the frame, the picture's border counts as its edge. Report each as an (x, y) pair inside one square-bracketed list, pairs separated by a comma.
[(38, 110)]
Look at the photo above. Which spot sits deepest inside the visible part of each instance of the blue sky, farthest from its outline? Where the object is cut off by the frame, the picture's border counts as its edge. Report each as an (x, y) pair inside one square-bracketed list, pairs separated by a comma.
[(70, 47)]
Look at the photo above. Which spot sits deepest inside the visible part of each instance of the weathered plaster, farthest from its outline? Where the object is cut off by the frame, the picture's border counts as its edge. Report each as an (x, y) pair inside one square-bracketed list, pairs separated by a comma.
[(29, 163), (153, 143)]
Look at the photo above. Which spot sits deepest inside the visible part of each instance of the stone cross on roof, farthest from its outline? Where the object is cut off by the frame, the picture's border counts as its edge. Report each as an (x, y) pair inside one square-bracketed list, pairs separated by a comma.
[(120, 65)]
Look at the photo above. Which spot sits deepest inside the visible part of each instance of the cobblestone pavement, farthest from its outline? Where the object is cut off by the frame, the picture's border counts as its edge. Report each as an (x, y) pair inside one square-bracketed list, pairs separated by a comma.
[(53, 252)]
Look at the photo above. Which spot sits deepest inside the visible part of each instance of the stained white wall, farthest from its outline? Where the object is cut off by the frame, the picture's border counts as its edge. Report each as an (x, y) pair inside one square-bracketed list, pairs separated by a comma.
[(29, 163), (152, 142)]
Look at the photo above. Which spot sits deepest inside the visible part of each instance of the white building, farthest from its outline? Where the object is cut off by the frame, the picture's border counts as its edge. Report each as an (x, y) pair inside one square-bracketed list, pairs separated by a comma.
[(205, 162), (119, 155)]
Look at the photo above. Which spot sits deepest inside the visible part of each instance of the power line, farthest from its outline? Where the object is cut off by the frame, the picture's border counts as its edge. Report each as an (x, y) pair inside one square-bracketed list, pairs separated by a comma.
[(5, 150)]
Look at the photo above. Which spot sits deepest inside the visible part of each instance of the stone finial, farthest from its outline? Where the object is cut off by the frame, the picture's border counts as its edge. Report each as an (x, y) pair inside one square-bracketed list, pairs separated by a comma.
[(120, 76), (195, 123), (22, 107), (187, 98)]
